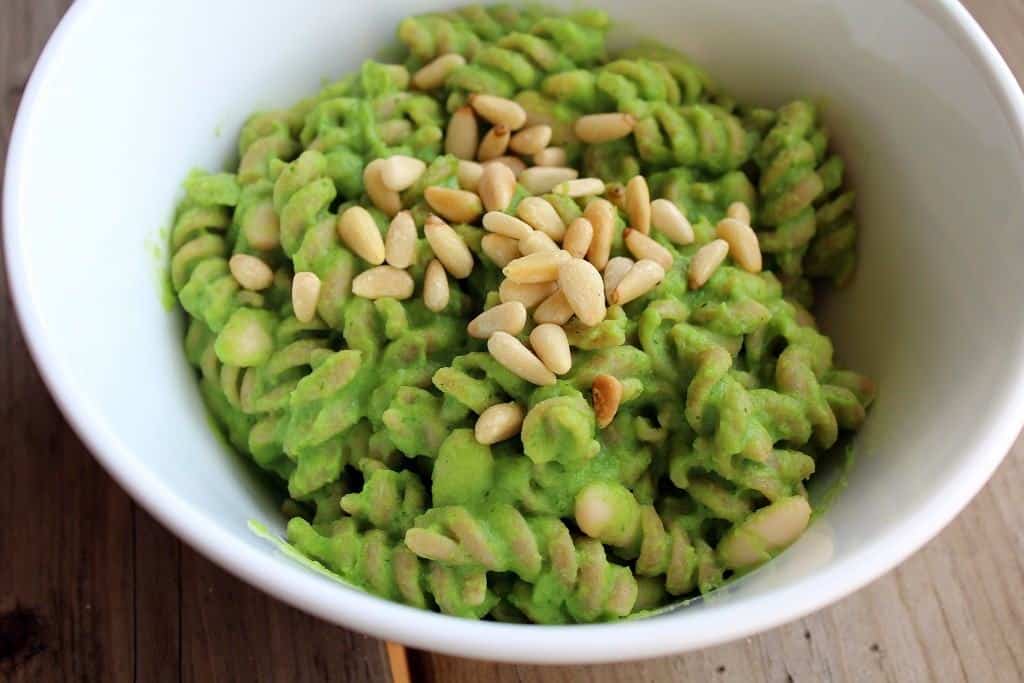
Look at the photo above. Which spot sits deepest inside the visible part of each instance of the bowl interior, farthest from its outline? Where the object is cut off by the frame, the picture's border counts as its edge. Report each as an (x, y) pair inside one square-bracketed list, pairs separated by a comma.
[(130, 96)]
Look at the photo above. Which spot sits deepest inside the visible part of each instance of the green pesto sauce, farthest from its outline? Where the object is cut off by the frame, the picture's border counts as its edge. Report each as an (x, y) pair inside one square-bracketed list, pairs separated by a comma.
[(365, 415)]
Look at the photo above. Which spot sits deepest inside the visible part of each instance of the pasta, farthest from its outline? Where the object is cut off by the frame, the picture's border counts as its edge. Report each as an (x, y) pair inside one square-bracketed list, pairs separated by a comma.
[(638, 420)]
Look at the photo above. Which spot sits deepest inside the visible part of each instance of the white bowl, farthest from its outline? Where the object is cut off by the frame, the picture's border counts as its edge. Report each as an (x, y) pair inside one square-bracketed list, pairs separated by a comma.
[(130, 95)]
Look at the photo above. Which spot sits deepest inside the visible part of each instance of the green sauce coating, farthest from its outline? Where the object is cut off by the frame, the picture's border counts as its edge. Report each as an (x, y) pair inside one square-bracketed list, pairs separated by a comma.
[(365, 414)]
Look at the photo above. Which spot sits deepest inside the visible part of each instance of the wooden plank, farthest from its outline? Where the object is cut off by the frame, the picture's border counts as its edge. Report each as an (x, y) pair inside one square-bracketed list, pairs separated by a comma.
[(157, 638)]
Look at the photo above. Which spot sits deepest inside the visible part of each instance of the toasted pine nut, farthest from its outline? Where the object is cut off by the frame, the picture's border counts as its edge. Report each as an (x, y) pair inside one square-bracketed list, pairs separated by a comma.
[(539, 213), (305, 294), (743, 243), (641, 278), (706, 261), (578, 237), (551, 156), (552, 347), (555, 310), (436, 292), (384, 199), (584, 290), (601, 214), (511, 353), (638, 204), (643, 247), (507, 225), (497, 185), (529, 295), (597, 128), (499, 110), (462, 135), (383, 281), (541, 266), (499, 422), (359, 232), (616, 194), (399, 172), (448, 247), (670, 221), (493, 144), (400, 242), (582, 187), (614, 271), (433, 75), (536, 241), (470, 173), (458, 206), (542, 179), (515, 164), (607, 394), (251, 272), (500, 249), (739, 211), (530, 140), (508, 317)]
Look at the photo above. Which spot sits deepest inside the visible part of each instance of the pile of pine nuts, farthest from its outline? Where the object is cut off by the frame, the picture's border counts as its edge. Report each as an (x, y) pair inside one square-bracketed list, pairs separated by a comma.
[(557, 271)]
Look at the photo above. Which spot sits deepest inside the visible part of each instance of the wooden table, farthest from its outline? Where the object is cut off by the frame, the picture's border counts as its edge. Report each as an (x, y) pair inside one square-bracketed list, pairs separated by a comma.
[(91, 588)]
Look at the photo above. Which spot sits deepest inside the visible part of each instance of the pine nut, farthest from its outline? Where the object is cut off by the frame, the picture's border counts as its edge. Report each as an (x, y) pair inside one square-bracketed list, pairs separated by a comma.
[(643, 247), (515, 164), (739, 211), (582, 187), (578, 237), (641, 278), (706, 261), (251, 272), (359, 232), (448, 247), (541, 266), (499, 110), (499, 422), (670, 221), (743, 243), (305, 294), (497, 185), (555, 310), (539, 213), (469, 174), (434, 74), (536, 241), (530, 140), (458, 206), (552, 347), (384, 199), (552, 156), (542, 179), (436, 292), (638, 204), (399, 172), (400, 243), (601, 214), (504, 224), (462, 135), (596, 128), (584, 290), (518, 359), (616, 194), (499, 249), (529, 295), (383, 281), (614, 271), (509, 317), (493, 144), (606, 392)]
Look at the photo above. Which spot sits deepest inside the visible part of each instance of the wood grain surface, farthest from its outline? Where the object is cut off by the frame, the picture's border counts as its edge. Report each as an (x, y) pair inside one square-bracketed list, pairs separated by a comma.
[(92, 589)]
